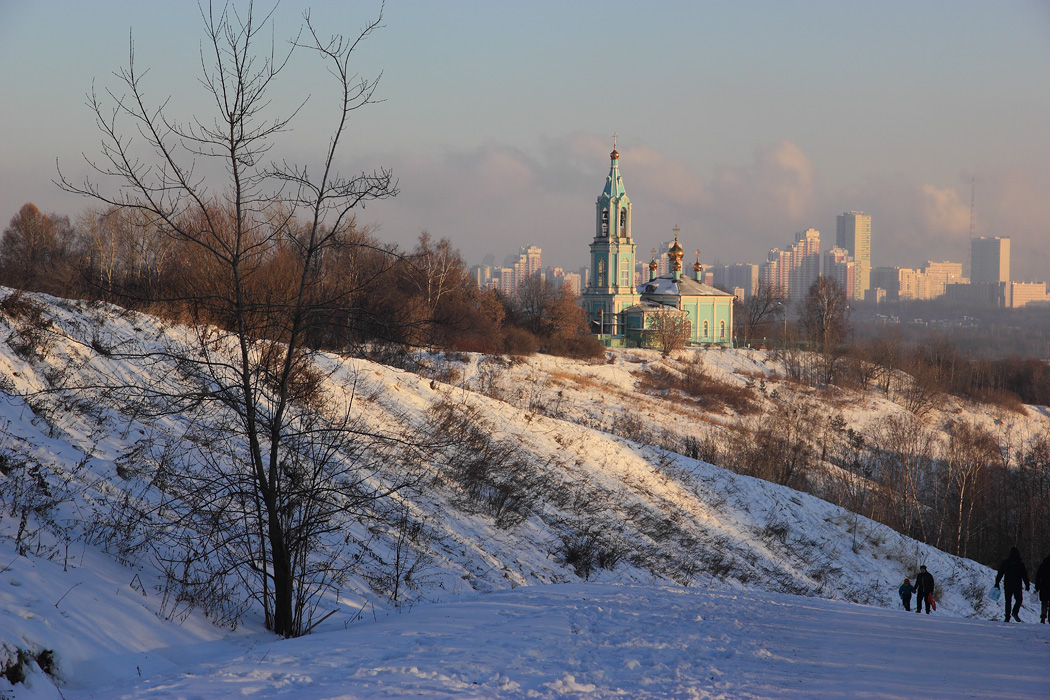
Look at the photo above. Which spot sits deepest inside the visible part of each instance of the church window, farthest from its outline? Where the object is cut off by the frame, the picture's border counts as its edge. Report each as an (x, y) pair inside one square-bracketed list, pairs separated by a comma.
[(605, 222), (601, 276), (705, 329), (625, 271), (722, 330), (623, 222)]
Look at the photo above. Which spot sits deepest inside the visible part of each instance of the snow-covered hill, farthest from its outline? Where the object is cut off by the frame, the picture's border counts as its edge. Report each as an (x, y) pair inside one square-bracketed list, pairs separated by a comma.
[(567, 497)]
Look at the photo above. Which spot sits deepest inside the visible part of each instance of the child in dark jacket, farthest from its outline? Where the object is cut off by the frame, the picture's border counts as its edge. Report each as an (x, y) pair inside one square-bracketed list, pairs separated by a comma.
[(905, 591)]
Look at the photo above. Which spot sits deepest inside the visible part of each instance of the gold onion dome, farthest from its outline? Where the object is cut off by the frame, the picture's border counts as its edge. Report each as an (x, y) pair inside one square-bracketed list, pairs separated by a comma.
[(676, 252), (652, 265), (697, 266)]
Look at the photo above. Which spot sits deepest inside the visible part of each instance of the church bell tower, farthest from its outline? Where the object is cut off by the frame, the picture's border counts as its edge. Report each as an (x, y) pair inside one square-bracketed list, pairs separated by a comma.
[(611, 289)]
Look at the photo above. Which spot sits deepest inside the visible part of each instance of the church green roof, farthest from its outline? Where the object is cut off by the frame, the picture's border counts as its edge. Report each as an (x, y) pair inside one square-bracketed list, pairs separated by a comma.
[(685, 286)]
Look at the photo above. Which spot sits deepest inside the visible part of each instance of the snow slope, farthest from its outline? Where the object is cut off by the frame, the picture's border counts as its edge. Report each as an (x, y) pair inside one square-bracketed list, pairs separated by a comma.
[(679, 536)]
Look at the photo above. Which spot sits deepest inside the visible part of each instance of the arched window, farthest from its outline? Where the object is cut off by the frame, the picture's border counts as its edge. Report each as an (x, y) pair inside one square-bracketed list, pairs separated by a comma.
[(601, 276), (722, 330), (605, 222), (623, 221), (706, 329), (625, 271)]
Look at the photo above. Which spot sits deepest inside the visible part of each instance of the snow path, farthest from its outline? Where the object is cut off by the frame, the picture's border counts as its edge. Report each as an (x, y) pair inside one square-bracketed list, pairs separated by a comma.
[(605, 641)]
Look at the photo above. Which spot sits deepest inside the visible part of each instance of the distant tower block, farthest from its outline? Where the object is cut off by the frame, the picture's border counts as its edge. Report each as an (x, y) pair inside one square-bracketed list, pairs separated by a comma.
[(990, 260), (853, 232)]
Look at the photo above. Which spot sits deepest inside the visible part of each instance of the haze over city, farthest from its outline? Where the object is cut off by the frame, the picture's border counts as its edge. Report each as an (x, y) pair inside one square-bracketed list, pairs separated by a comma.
[(741, 123)]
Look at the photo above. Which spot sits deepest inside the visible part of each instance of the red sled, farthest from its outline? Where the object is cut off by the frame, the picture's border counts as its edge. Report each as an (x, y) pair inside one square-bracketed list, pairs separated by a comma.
[(932, 602)]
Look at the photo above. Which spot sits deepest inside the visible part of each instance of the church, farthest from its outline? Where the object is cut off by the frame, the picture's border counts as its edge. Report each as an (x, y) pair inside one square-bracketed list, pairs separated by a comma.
[(624, 314)]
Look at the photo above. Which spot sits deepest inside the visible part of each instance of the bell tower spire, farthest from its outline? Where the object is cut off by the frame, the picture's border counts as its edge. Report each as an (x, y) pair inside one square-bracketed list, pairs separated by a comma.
[(614, 206)]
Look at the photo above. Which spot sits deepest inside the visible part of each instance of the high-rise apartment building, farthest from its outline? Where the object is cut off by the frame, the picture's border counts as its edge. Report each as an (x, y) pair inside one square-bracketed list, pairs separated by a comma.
[(934, 277), (839, 266), (853, 232), (775, 270), (573, 281), (793, 271), (737, 276), (532, 256), (990, 260), (805, 263)]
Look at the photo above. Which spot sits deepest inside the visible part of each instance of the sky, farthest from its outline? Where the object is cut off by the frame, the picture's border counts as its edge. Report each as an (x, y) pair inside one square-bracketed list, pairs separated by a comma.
[(741, 123)]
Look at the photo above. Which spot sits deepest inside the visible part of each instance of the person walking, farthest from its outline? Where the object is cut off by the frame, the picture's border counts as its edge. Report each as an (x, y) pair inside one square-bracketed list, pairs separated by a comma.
[(905, 591), (1013, 574), (1042, 586), (924, 590)]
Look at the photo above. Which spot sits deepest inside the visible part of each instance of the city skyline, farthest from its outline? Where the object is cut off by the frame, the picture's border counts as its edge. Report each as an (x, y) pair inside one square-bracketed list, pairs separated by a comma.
[(741, 123)]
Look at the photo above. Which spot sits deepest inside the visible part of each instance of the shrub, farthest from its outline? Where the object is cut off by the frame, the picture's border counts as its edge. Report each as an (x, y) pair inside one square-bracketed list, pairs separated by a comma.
[(15, 665), (586, 552), (518, 341), (32, 337)]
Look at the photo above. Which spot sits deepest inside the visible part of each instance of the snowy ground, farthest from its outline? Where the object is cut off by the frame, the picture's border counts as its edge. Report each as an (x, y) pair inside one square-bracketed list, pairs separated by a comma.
[(606, 641)]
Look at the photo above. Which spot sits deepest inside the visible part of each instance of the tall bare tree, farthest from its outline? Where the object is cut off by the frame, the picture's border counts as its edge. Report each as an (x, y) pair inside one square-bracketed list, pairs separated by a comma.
[(824, 319), (252, 237), (757, 312), (970, 452)]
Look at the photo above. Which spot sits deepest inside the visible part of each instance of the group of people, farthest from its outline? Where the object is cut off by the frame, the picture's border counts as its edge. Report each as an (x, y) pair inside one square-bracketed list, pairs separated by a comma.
[(923, 590), (1012, 574)]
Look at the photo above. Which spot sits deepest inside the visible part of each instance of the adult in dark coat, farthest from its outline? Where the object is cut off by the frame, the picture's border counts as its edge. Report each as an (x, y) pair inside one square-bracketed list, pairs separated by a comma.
[(923, 590), (1042, 585), (1012, 573)]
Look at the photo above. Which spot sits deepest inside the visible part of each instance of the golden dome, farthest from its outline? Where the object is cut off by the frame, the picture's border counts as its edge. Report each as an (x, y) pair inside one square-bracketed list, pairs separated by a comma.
[(675, 252)]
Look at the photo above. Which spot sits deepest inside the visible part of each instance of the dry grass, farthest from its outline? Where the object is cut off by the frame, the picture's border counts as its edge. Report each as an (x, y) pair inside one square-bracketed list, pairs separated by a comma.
[(705, 391), (568, 378)]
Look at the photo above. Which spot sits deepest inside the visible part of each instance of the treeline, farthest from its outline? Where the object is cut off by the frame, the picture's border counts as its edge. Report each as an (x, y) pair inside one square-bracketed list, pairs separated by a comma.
[(371, 298), (821, 348), (936, 367)]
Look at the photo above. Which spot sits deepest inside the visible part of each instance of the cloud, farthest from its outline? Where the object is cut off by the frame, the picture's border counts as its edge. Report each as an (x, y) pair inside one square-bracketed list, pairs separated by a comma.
[(943, 210), (773, 193), (663, 180)]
